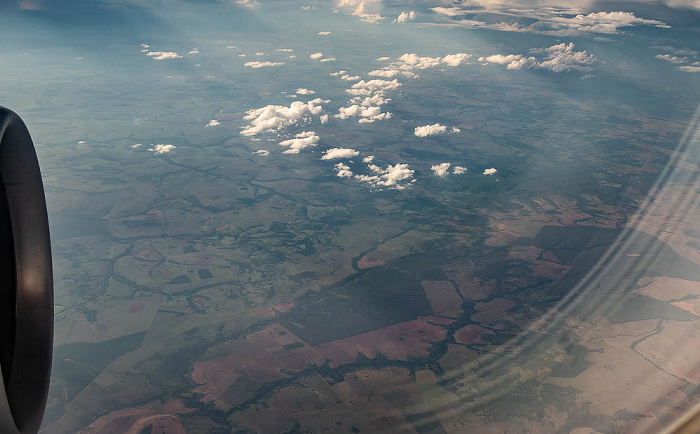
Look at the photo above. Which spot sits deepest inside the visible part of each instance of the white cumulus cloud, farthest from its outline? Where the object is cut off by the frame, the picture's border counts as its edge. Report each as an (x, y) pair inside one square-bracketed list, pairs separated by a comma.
[(458, 170), (366, 114), (557, 58), (212, 123), (366, 88), (405, 17), (300, 141), (490, 171), (397, 176), (257, 65), (343, 170), (161, 149), (391, 72), (671, 58), (419, 62), (431, 130), (440, 169), (163, 55), (338, 153), (304, 91), (261, 152), (276, 117)]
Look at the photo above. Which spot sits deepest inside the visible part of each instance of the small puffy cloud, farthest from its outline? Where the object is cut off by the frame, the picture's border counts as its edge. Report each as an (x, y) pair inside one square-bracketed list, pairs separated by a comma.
[(391, 72), (241, 55), (383, 59), (557, 58), (458, 170), (212, 123), (343, 170), (419, 62), (671, 58), (373, 100), (366, 88), (259, 53), (366, 114), (284, 50), (161, 149), (324, 118), (304, 91), (193, 51), (409, 61), (405, 17), (372, 18), (562, 57), (136, 146), (676, 51), (431, 130), (455, 59), (683, 57), (300, 141), (261, 152), (324, 33), (248, 3), (440, 169), (356, 110), (319, 56), (368, 159), (163, 55), (257, 65), (378, 117), (415, 61), (350, 77), (342, 72), (276, 117), (512, 61), (366, 10), (367, 97), (490, 171), (397, 176), (338, 153)]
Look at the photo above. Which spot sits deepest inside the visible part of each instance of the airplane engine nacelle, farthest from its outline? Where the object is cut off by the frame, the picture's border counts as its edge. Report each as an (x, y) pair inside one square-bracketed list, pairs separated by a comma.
[(26, 297)]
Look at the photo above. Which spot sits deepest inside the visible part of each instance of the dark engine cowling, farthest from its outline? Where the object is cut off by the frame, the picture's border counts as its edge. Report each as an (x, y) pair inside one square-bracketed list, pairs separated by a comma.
[(26, 296)]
